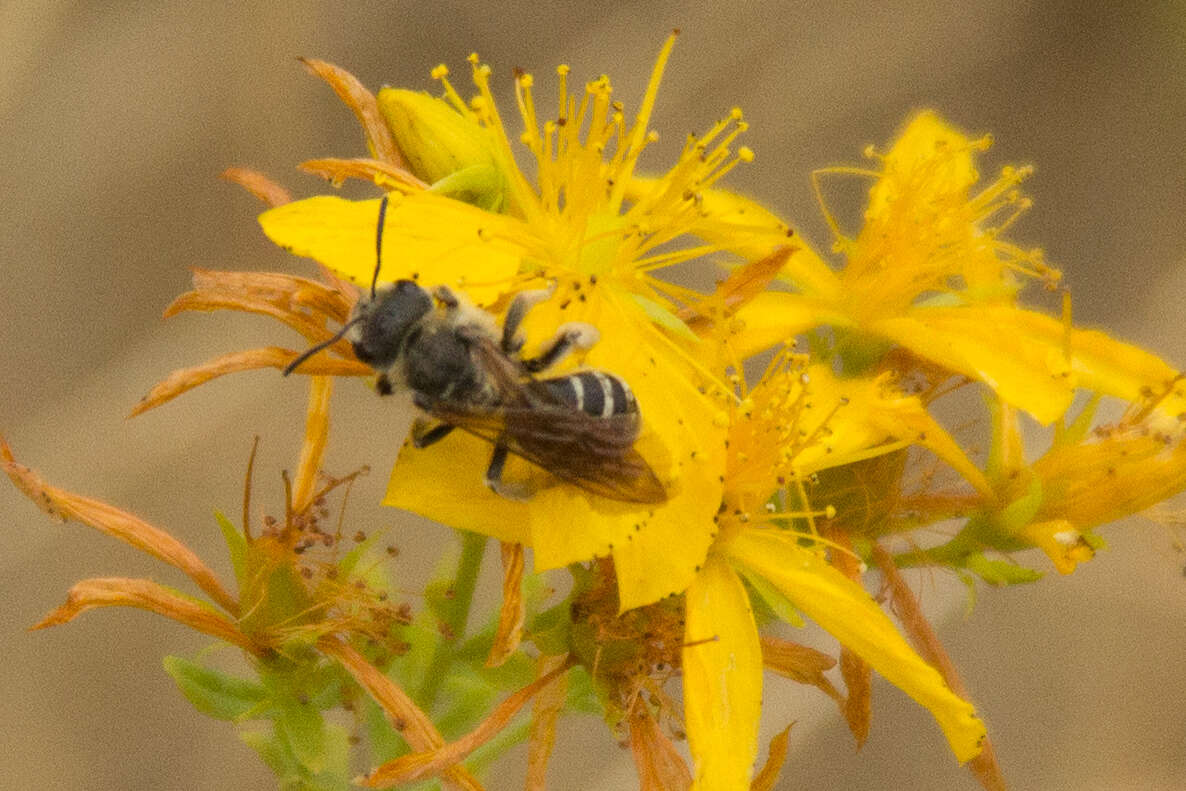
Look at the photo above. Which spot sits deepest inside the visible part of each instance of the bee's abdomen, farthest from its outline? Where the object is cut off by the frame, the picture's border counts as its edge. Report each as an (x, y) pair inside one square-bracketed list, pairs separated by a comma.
[(596, 393)]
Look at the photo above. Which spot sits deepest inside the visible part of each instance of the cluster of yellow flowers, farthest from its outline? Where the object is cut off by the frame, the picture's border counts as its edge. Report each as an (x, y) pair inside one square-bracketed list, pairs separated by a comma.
[(792, 416)]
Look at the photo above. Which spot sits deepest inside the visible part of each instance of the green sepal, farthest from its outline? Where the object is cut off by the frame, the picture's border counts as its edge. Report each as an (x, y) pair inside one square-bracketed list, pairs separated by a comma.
[(772, 600), (236, 544), (999, 572), (660, 315), (478, 185)]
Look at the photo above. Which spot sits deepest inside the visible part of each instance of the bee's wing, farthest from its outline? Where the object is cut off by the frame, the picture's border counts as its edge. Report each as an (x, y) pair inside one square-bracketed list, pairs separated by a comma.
[(594, 453)]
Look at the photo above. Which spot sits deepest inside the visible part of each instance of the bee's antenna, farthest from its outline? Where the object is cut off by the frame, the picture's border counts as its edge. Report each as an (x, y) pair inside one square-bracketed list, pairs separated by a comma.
[(312, 350), (379, 243)]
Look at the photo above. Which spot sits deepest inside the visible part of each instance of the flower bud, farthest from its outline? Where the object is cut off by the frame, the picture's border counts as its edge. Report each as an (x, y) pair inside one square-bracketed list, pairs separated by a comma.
[(443, 147)]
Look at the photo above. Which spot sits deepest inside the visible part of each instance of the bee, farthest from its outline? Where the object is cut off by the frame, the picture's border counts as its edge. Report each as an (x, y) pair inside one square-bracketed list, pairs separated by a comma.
[(463, 371)]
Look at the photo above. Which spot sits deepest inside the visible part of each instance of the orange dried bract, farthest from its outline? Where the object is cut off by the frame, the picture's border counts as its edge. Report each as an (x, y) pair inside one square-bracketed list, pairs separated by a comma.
[(258, 185), (799, 663), (337, 170), (146, 595), (858, 705), (858, 676), (63, 505), (905, 604), (185, 379), (406, 717), (407, 768), (304, 487), (545, 710), (286, 291), (362, 102), (512, 614), (660, 766), (776, 756)]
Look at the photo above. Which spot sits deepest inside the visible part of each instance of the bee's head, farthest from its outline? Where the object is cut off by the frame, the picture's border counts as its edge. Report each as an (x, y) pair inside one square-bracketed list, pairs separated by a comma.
[(382, 322)]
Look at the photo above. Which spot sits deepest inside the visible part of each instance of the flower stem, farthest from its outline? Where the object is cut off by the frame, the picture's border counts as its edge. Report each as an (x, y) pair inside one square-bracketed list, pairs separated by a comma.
[(454, 617)]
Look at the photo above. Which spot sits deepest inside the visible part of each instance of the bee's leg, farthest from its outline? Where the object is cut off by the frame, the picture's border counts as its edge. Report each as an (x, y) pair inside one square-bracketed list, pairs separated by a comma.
[(494, 480), (383, 385), (425, 433), (523, 302), (446, 297), (574, 335)]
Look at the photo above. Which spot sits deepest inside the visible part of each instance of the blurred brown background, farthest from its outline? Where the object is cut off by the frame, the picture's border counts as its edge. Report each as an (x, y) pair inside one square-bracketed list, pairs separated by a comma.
[(117, 120)]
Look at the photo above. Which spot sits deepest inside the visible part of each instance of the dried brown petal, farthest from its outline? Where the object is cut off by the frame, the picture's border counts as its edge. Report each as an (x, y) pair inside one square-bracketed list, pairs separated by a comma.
[(512, 614), (984, 767), (362, 102), (258, 185), (63, 505), (336, 170), (742, 285), (799, 663), (146, 595), (776, 756), (409, 719), (545, 710), (858, 706), (660, 766), (407, 768), (186, 379)]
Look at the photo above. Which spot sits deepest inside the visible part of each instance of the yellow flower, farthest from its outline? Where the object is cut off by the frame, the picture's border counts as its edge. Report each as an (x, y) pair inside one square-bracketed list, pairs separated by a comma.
[(931, 272), (798, 420), (572, 225)]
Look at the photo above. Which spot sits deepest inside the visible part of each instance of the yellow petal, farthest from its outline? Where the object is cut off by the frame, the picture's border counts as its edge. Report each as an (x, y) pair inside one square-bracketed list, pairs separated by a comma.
[(1023, 355), (776, 317), (931, 163), (722, 679), (446, 483), (994, 345), (1062, 542), (426, 237), (845, 610)]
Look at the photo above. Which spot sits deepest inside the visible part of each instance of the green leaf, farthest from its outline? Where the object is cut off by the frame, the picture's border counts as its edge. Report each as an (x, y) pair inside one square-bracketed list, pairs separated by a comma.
[(582, 698), (303, 729), (236, 544), (273, 753), (1000, 572), (214, 693), (384, 740), (549, 630), (291, 775)]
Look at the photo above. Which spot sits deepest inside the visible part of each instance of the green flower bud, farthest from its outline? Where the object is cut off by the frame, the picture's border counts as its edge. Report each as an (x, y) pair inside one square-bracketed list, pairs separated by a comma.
[(443, 147)]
